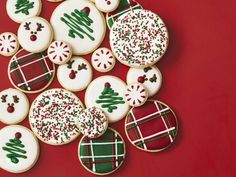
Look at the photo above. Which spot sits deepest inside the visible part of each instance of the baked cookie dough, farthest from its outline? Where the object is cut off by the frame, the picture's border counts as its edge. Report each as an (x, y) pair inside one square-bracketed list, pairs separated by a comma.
[(9, 44)]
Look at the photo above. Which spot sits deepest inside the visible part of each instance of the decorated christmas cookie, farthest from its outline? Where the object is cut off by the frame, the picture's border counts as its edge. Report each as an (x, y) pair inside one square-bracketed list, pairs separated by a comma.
[(30, 72), (53, 116), (107, 5), (136, 94), (59, 52), (35, 34), (124, 7), (19, 149), (80, 24), (14, 106), (151, 127), (9, 44), (20, 10), (139, 38), (150, 77), (93, 122), (103, 60), (104, 155), (107, 93), (75, 75)]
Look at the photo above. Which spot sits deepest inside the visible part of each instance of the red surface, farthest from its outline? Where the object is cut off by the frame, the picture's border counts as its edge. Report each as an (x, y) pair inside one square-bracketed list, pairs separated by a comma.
[(199, 84)]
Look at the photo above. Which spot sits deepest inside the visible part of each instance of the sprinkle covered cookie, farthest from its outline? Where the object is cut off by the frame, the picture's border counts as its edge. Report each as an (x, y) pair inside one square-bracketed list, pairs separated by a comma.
[(139, 38), (152, 127), (103, 155), (53, 116)]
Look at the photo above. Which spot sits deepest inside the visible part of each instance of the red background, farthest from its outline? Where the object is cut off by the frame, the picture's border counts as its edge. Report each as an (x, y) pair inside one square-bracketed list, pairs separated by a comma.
[(198, 83)]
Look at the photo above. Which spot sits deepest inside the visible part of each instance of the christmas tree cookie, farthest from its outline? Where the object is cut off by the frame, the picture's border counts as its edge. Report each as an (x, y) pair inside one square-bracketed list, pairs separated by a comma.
[(19, 149), (80, 24), (107, 93)]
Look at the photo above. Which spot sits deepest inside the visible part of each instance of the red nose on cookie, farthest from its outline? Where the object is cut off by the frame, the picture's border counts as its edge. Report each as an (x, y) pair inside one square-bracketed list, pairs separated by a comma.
[(72, 74), (10, 108), (33, 37)]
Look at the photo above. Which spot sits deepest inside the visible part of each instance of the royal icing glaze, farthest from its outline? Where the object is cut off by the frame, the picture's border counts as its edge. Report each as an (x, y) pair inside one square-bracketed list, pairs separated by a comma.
[(14, 106), (124, 7), (59, 52), (103, 155), (20, 10), (53, 116), (107, 5), (30, 72), (103, 60), (107, 93), (80, 24), (75, 75), (150, 77), (92, 122), (35, 34), (19, 149), (139, 38), (9, 44), (136, 94), (151, 127)]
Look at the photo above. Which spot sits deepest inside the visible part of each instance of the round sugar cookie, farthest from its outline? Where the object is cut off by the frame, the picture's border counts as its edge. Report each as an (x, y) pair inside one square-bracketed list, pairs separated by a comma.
[(150, 77), (124, 7), (139, 38), (20, 10), (75, 75), (103, 60), (104, 155), (35, 34), (30, 72), (53, 116), (92, 122), (107, 5), (136, 94), (107, 93), (19, 149), (80, 24), (14, 106), (59, 52), (9, 44), (152, 127)]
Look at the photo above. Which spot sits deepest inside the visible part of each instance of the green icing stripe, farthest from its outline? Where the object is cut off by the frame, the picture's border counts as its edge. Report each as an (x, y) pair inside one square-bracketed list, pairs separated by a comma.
[(23, 6)]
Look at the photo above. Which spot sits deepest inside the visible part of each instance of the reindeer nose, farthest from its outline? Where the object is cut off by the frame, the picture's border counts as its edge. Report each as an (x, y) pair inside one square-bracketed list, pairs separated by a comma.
[(33, 37)]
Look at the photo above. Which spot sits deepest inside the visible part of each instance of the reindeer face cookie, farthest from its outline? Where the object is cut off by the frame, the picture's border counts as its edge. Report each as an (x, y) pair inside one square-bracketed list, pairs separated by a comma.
[(14, 106), (35, 34)]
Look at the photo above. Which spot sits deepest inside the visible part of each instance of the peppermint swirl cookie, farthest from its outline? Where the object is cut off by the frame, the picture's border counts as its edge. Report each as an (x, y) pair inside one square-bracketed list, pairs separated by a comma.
[(53, 116), (139, 38)]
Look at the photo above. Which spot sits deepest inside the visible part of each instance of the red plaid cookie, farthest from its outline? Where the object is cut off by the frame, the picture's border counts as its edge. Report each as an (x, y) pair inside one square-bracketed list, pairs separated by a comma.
[(151, 127), (30, 72)]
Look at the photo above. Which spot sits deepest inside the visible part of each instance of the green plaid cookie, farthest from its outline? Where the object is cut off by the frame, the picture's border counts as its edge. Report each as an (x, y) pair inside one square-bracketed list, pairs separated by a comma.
[(103, 155), (124, 7)]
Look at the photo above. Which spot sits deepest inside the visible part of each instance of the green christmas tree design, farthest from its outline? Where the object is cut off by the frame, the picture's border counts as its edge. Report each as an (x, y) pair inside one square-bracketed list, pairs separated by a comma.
[(23, 6), (109, 98), (15, 149)]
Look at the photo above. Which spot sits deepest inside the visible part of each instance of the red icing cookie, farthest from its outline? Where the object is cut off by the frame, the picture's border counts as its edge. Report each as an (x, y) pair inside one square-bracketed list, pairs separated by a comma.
[(30, 72), (152, 127)]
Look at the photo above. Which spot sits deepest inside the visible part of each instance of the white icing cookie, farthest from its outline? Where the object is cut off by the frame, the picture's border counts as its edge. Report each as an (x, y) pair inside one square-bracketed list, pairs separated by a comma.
[(59, 52), (35, 34), (20, 10), (93, 122), (14, 106), (53, 116), (136, 94), (150, 77), (107, 5), (75, 75), (139, 38), (19, 149), (9, 44), (103, 60), (80, 24), (107, 93)]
